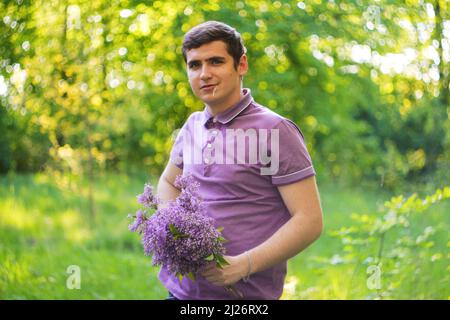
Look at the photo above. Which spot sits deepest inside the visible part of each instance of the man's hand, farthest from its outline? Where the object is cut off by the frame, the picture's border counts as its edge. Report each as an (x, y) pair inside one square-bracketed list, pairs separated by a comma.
[(229, 274)]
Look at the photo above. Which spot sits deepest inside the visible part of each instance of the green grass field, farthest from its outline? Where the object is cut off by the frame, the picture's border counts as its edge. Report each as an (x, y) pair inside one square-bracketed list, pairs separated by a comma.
[(45, 227)]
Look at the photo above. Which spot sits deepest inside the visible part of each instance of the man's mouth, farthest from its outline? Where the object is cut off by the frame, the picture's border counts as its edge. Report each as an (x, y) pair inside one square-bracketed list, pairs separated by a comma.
[(208, 86)]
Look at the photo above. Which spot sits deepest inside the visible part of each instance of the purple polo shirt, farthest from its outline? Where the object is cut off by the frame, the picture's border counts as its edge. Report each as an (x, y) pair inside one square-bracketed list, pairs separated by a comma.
[(237, 194)]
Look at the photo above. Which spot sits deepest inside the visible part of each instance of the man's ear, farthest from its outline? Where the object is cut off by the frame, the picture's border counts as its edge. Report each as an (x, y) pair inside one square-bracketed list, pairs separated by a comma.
[(243, 65)]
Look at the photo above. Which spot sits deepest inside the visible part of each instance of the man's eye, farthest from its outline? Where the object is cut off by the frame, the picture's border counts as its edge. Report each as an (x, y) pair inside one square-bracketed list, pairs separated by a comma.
[(193, 65), (216, 62)]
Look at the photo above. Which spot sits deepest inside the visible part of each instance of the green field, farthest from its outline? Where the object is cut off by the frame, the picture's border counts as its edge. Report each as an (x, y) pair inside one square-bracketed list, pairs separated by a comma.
[(45, 227)]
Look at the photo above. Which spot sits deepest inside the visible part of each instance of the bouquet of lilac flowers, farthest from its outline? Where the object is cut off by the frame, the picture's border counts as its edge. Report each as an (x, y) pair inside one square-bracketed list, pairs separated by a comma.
[(180, 236)]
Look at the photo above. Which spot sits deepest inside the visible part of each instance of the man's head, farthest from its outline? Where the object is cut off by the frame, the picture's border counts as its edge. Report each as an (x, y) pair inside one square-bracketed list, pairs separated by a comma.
[(216, 62), (215, 31)]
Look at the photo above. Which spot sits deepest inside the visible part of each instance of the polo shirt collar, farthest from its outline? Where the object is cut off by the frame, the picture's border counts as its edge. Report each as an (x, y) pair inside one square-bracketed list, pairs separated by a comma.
[(233, 112)]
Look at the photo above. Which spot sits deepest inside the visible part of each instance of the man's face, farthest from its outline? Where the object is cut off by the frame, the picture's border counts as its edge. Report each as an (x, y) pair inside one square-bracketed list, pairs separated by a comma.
[(212, 75)]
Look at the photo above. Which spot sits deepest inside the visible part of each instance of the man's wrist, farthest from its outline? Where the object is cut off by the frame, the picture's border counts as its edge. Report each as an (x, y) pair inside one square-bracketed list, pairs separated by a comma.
[(248, 264)]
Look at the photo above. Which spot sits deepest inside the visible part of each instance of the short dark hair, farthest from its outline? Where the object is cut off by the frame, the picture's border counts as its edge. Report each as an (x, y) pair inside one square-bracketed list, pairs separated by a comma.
[(212, 31)]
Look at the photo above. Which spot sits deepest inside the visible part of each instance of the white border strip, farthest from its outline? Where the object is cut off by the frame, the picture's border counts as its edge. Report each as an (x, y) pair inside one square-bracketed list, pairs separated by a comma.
[(290, 174)]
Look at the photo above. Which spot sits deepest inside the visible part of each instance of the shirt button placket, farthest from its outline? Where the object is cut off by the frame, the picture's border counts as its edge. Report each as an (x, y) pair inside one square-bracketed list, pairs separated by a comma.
[(207, 160)]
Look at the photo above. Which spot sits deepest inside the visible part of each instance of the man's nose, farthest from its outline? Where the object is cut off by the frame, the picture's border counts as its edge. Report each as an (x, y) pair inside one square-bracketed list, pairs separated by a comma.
[(205, 74)]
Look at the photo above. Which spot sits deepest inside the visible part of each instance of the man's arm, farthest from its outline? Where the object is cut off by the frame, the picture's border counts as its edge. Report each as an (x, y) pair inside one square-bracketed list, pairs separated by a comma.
[(305, 226), (166, 189)]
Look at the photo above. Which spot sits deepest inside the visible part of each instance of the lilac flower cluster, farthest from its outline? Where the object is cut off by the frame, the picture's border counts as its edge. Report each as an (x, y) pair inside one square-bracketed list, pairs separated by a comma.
[(180, 237)]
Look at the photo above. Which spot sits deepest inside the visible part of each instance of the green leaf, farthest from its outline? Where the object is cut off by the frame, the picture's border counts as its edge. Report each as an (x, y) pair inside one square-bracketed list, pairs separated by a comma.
[(176, 233), (220, 229), (191, 276), (210, 258), (220, 261), (180, 277), (181, 235), (173, 230)]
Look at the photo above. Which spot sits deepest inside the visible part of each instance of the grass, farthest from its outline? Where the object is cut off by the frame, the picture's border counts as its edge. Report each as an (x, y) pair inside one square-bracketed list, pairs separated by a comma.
[(46, 227), (320, 272)]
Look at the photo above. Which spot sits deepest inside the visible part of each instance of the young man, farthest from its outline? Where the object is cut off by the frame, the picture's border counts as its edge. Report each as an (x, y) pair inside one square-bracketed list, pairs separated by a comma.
[(264, 195)]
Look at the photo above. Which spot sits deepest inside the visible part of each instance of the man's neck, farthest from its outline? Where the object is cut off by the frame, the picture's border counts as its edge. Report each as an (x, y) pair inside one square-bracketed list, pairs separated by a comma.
[(216, 109)]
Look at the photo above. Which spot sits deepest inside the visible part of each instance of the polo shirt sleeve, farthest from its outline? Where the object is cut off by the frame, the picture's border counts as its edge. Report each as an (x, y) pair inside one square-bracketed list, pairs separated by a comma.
[(294, 160), (176, 154)]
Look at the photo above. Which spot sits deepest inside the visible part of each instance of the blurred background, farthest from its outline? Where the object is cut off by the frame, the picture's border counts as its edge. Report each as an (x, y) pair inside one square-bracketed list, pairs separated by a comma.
[(91, 92)]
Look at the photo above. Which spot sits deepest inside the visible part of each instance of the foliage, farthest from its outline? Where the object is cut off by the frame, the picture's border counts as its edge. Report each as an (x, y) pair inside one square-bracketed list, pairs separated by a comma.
[(93, 85), (389, 242), (44, 229)]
